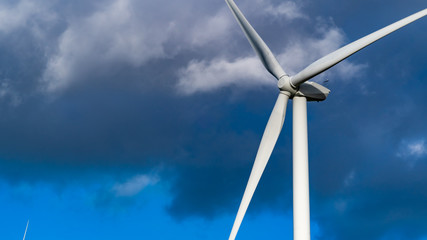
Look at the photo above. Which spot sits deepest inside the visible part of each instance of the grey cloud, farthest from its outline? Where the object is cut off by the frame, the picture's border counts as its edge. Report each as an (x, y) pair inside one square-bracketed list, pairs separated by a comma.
[(288, 10), (120, 113), (132, 33), (220, 73), (115, 32), (8, 94), (25, 14), (134, 185), (247, 71)]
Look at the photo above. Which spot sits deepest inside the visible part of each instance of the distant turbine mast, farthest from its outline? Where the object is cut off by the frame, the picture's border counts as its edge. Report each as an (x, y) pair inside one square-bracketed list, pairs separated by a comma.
[(26, 228), (300, 90)]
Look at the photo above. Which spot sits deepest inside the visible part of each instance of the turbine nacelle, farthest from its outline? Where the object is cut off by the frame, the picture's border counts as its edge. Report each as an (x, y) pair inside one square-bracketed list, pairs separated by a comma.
[(311, 90)]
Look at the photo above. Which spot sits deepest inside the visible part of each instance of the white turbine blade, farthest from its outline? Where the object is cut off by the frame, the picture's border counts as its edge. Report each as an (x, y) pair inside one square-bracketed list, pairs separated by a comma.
[(26, 228), (333, 58), (262, 50), (271, 134)]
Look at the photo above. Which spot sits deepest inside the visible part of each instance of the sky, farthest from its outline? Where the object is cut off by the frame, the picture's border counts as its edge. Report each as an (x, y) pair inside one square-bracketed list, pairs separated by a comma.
[(130, 119)]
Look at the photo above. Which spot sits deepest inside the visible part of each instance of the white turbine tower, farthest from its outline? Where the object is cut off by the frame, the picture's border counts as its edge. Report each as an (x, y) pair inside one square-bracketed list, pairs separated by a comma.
[(300, 91)]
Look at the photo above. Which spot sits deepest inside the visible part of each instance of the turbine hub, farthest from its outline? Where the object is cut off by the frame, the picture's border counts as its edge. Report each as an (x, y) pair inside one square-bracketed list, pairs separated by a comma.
[(285, 85), (311, 90)]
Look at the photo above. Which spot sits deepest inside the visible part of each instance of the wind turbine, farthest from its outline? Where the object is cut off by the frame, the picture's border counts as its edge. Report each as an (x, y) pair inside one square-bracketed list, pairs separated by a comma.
[(26, 228), (300, 90)]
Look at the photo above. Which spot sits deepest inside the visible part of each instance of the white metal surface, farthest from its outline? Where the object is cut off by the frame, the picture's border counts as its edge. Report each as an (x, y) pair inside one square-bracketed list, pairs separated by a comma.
[(269, 139), (26, 228), (313, 91), (300, 170), (294, 87), (262, 50), (337, 56)]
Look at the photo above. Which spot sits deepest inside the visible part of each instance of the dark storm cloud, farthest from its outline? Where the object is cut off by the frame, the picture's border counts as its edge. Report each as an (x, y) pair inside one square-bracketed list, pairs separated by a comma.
[(363, 185), (94, 90)]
